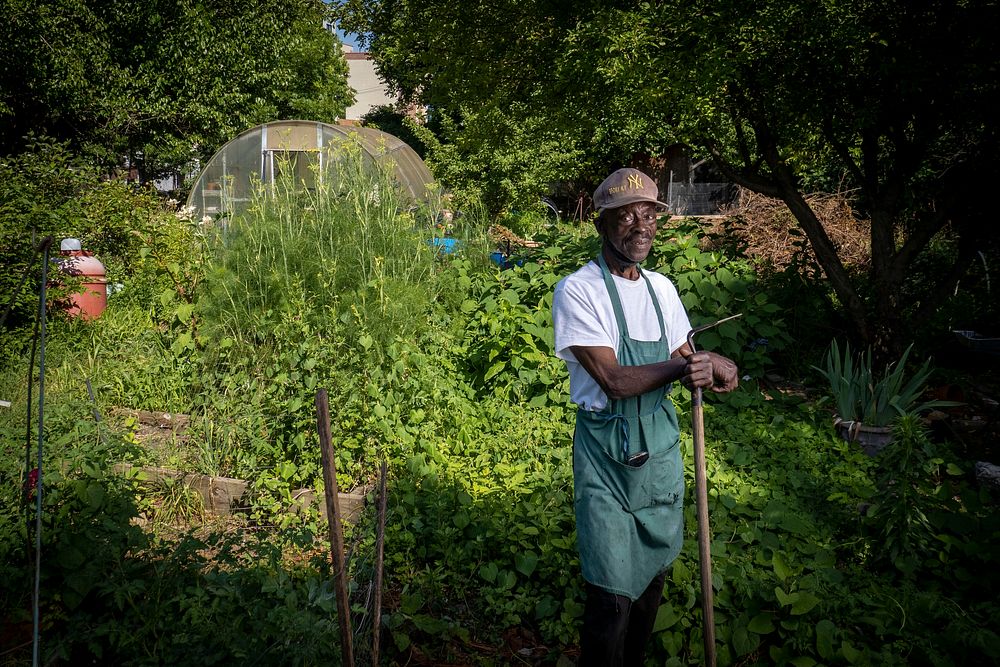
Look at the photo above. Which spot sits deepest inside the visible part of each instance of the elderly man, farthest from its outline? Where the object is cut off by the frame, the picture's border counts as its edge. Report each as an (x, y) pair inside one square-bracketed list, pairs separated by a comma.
[(622, 332)]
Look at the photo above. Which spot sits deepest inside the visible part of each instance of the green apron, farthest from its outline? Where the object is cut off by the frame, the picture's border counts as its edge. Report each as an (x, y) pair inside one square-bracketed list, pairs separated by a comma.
[(629, 519)]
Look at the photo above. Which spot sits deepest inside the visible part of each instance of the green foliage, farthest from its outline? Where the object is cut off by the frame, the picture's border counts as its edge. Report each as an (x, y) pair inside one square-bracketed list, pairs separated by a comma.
[(906, 482), (508, 313), (215, 598), (169, 265), (508, 331), (783, 95), (502, 157), (863, 397), (523, 131), (309, 74), (256, 411), (398, 124), (115, 593), (159, 83), (714, 286), (47, 191), (456, 388), (793, 580), (86, 508), (496, 505), (306, 289), (351, 242)]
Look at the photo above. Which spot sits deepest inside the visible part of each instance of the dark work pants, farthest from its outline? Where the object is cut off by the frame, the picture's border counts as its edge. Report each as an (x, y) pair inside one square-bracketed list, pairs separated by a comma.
[(615, 629)]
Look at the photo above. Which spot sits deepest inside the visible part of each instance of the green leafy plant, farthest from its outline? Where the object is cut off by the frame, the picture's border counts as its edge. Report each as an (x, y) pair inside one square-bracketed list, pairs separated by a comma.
[(862, 395), (714, 284), (508, 334), (480, 541), (352, 248), (908, 477), (177, 502), (48, 190)]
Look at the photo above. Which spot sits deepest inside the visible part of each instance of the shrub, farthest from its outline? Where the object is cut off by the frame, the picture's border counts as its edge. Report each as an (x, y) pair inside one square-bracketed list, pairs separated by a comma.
[(861, 396), (48, 191)]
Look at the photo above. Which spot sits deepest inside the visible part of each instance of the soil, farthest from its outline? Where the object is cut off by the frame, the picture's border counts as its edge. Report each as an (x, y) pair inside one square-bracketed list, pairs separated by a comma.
[(155, 430)]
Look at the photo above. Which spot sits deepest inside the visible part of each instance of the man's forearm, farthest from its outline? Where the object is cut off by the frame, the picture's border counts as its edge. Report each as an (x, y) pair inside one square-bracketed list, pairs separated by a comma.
[(701, 369), (619, 381), (628, 381)]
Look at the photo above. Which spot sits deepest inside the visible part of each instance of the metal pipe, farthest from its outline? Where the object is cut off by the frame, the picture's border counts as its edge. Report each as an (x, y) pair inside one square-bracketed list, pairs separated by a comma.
[(36, 598)]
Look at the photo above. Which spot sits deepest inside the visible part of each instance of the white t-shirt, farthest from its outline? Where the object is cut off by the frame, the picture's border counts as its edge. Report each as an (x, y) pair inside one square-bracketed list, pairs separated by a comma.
[(582, 314)]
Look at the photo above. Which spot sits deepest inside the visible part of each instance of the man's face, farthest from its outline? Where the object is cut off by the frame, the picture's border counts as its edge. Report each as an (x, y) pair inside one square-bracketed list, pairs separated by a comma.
[(630, 229)]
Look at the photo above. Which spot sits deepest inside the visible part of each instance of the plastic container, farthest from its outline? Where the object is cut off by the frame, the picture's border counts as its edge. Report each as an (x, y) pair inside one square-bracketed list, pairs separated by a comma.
[(873, 439), (505, 261), (92, 299), (977, 342), (444, 245)]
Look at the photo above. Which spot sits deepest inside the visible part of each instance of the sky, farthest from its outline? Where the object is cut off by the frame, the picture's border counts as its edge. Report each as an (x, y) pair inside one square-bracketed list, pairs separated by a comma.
[(348, 38)]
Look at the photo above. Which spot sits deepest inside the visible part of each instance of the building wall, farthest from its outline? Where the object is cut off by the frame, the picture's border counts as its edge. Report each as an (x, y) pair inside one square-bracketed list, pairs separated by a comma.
[(369, 89)]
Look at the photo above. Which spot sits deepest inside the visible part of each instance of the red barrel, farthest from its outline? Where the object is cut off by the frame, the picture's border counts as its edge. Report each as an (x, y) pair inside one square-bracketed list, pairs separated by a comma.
[(74, 261)]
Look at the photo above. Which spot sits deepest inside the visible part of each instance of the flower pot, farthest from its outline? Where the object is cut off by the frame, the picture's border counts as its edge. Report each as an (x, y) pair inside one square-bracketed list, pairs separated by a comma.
[(872, 439)]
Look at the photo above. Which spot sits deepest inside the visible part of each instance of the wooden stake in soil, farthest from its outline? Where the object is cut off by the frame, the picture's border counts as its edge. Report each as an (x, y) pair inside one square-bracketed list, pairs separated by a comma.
[(336, 530), (379, 549)]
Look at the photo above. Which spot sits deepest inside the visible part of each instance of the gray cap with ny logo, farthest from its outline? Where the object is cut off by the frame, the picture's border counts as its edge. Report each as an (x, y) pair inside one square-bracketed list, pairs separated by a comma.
[(626, 186)]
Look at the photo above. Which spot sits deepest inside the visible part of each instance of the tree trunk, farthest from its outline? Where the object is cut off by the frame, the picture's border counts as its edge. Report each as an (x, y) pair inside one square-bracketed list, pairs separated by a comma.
[(887, 282), (783, 187), (826, 255)]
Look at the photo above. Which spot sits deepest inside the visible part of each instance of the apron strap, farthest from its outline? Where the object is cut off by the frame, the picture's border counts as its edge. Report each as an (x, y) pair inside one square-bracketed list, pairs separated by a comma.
[(616, 301), (656, 307), (605, 417)]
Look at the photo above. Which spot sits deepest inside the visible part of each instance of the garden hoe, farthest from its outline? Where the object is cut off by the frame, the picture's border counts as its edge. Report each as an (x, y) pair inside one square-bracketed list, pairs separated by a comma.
[(701, 493)]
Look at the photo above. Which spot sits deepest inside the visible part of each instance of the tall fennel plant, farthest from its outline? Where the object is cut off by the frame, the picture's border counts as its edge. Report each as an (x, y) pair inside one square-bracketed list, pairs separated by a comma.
[(348, 245)]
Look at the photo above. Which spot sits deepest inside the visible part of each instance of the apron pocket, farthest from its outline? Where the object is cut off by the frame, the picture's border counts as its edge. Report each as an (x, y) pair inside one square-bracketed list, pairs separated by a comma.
[(629, 485), (666, 483), (655, 482)]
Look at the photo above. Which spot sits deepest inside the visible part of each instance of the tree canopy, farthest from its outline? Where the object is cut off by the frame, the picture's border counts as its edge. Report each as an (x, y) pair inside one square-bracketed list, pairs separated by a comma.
[(887, 100), (159, 82)]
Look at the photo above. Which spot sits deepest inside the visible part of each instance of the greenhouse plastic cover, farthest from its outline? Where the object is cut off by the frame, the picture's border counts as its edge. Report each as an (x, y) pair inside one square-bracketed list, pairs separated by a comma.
[(227, 183)]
